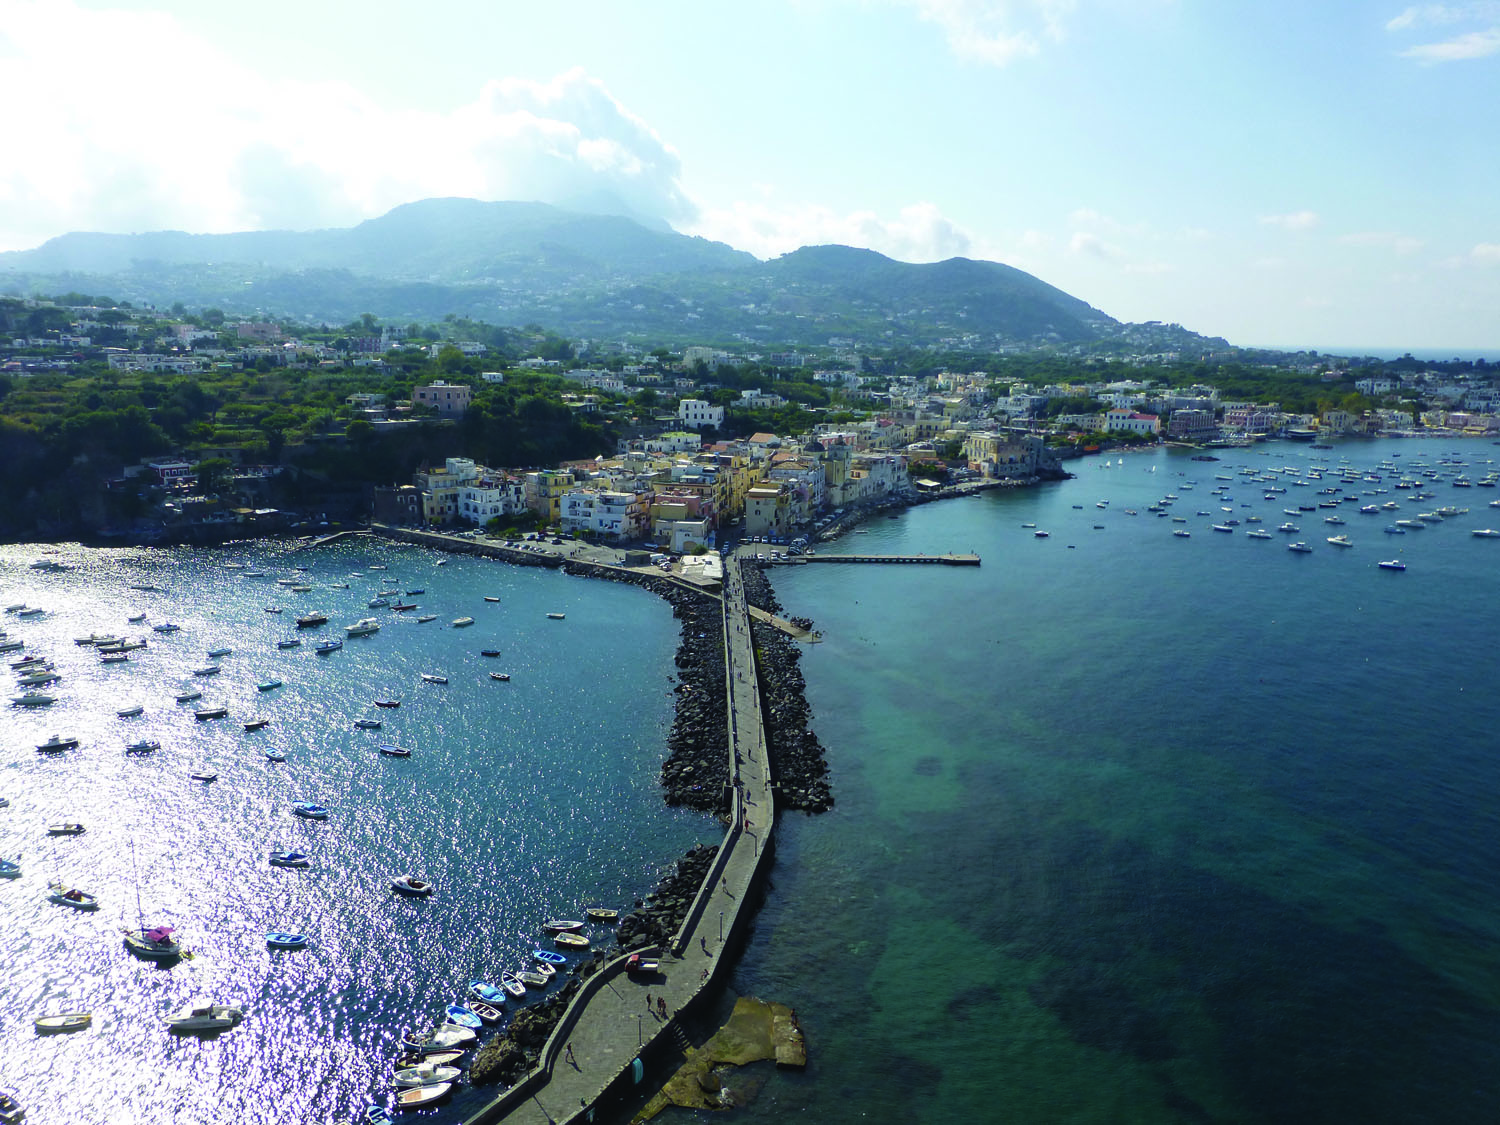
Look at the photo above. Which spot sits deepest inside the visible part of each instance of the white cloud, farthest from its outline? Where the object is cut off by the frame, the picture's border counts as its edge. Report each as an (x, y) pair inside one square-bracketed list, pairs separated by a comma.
[(1471, 45), (1086, 242), (191, 139), (1296, 220), (996, 32), (1442, 15), (1486, 253), (919, 234), (1388, 240)]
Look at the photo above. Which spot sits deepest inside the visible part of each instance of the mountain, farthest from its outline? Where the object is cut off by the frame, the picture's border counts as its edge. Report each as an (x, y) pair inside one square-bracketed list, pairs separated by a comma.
[(577, 272)]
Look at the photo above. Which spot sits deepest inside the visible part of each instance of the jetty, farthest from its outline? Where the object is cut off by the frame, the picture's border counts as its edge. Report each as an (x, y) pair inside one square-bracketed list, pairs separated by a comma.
[(610, 1039), (933, 560)]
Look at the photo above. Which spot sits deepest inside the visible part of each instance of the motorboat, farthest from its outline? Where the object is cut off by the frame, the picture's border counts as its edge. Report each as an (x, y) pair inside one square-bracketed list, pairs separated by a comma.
[(189, 695), (377, 603), (166, 627), (57, 742), (532, 979), (490, 598), (275, 756), (114, 657), (461, 622), (388, 703), (1391, 564), (547, 957), (257, 724), (1300, 547), (367, 724), (424, 1074), (1181, 534), (1257, 533), (309, 620), (210, 713), (130, 712), (1223, 527), (362, 628), (30, 611), (460, 1016), (293, 643), (276, 940), (426, 617), (433, 678), (545, 968), (571, 941), (96, 639), (503, 677), (144, 746), (328, 646), (1485, 533), (61, 1023), (309, 811), (153, 944), (64, 895), (513, 987), (268, 685), (449, 1037), (402, 607), (33, 699), (1340, 541), (562, 926), (41, 675), (214, 654), (65, 828), (11, 1110), (489, 652), (207, 670), (395, 751), (27, 661), (7, 645), (601, 914), (411, 885), (489, 993), (286, 858), (204, 775), (204, 1014), (417, 1096)]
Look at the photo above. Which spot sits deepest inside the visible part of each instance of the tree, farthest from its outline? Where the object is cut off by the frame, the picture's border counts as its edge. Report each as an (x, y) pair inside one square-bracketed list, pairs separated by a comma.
[(214, 475)]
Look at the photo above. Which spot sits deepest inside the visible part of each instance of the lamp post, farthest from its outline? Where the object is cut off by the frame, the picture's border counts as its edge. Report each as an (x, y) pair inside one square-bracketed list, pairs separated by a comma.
[(721, 926)]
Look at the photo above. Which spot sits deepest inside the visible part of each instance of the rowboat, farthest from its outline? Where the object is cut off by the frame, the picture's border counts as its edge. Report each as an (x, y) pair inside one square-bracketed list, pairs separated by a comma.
[(487, 1012), (64, 895), (309, 811), (489, 993), (188, 696), (423, 1095), (290, 859), (571, 941), (446, 1038), (211, 713), (532, 979), (277, 940), (391, 751), (562, 926), (503, 677), (425, 1074), (388, 703), (547, 957), (462, 1017), (601, 914), (367, 724), (62, 1022), (513, 987), (256, 724), (293, 643)]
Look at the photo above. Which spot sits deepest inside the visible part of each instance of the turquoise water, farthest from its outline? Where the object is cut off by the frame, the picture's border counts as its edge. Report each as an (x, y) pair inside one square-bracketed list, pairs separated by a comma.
[(522, 801), (1138, 828)]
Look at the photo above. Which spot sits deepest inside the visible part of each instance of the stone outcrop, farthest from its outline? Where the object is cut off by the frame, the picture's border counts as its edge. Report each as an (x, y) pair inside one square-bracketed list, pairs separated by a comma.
[(655, 920)]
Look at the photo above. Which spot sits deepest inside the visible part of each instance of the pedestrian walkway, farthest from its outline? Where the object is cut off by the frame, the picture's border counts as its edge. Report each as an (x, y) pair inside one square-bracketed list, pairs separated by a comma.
[(616, 1016)]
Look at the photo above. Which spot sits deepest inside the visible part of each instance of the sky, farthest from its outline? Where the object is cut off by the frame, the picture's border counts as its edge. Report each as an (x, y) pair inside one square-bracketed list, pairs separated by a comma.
[(1277, 172)]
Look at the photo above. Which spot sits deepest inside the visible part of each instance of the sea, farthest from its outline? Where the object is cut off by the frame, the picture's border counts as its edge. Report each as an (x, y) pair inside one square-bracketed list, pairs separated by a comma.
[(1130, 826)]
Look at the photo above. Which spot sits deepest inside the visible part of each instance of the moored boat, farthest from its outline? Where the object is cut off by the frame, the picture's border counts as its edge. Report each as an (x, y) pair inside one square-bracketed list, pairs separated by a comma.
[(189, 696), (433, 678), (488, 993), (61, 1023), (461, 1016), (426, 617), (388, 703), (144, 746), (287, 858), (1391, 564), (257, 724), (278, 940), (486, 1012), (203, 1015), (363, 627), (328, 646), (411, 885), (204, 775), (57, 742), (461, 622), (65, 828), (560, 616), (547, 957), (425, 1074), (601, 914), (503, 677), (367, 724), (268, 685), (311, 620), (64, 895), (391, 751), (562, 926), (293, 643), (309, 811), (513, 987), (571, 941), (153, 944), (33, 699), (416, 1096), (210, 713)]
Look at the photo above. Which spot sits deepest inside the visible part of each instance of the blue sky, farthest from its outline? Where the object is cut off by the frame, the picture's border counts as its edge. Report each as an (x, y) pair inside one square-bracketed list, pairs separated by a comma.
[(1277, 173)]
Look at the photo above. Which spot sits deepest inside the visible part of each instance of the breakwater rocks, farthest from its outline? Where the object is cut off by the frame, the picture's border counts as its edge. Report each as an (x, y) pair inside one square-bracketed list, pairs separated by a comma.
[(508, 1057), (654, 921), (797, 761), (696, 772)]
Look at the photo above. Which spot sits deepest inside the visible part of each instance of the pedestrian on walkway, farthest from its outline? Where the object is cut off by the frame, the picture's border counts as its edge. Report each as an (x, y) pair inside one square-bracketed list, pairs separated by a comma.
[(648, 1001), (703, 941), (661, 1006), (568, 1054)]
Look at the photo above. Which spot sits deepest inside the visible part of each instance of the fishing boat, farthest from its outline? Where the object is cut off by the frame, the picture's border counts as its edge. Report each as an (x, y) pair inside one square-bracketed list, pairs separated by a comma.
[(562, 926), (424, 1074), (64, 895), (367, 724), (1391, 564), (293, 643), (286, 858), (328, 646), (411, 885), (33, 699), (461, 622), (215, 653), (503, 677), (395, 751), (433, 678), (166, 627), (144, 746), (202, 1015), (257, 724), (57, 742), (189, 695), (277, 940), (601, 914), (426, 617), (61, 1023), (487, 1012), (309, 811), (489, 993), (460, 1016), (560, 616), (310, 620), (210, 713), (547, 957), (571, 941), (268, 685), (388, 703), (65, 828), (204, 775), (513, 987), (417, 1096), (362, 628)]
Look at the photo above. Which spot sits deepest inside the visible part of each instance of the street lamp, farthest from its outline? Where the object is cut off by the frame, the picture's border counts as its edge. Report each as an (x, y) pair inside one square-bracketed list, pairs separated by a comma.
[(721, 926)]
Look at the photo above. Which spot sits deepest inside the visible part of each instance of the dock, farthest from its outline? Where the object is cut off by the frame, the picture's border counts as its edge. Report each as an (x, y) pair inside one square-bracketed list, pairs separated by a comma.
[(590, 1056), (932, 560)]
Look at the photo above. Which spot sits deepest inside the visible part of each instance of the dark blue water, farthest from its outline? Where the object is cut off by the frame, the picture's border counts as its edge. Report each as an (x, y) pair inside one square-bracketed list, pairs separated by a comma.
[(1133, 827), (522, 801)]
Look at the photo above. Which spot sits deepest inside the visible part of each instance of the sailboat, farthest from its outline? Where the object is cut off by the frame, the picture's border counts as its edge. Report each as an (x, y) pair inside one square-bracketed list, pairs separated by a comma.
[(154, 943)]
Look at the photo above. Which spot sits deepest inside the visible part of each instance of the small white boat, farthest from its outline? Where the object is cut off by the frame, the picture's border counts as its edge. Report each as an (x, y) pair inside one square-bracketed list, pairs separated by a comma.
[(64, 895), (214, 654), (424, 1074), (65, 828), (460, 622), (33, 699), (603, 914), (571, 941), (10, 868), (395, 751), (62, 1022), (532, 979), (136, 618), (426, 617), (57, 742), (1391, 564), (328, 646), (1300, 547), (144, 746), (205, 1015), (1340, 541), (130, 712), (165, 627), (283, 858), (411, 885), (556, 616), (431, 678), (513, 987), (204, 775), (309, 811), (1485, 533), (188, 696), (363, 627), (415, 1096), (293, 643), (277, 940), (562, 926)]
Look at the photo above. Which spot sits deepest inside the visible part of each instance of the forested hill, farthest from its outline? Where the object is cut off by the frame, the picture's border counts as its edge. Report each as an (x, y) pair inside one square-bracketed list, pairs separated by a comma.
[(579, 274)]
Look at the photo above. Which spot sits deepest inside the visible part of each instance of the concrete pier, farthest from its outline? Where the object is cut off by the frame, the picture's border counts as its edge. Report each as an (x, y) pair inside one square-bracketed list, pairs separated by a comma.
[(604, 1041)]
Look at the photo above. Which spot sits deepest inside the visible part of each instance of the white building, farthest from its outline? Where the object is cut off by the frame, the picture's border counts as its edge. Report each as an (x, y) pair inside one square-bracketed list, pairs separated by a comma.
[(698, 414)]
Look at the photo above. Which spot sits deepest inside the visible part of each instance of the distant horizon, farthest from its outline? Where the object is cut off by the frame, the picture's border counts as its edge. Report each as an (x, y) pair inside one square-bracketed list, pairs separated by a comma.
[(1430, 354)]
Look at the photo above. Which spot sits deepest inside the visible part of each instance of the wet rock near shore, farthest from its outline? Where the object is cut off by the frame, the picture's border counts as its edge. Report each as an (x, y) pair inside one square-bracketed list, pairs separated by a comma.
[(518, 1049), (655, 920)]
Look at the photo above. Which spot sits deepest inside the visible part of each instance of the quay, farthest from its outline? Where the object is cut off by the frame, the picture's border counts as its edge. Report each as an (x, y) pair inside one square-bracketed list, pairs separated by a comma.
[(589, 1056), (936, 560)]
